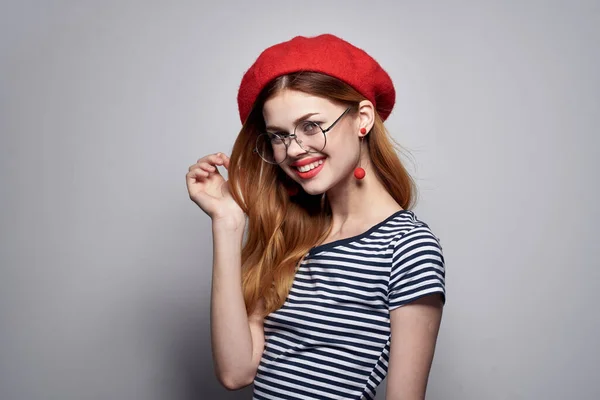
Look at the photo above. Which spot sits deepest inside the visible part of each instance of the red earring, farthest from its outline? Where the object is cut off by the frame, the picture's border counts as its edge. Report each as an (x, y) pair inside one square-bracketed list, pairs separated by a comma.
[(359, 173)]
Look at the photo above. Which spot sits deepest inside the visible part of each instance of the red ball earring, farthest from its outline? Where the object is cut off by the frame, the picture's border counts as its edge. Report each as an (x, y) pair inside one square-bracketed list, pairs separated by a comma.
[(359, 173)]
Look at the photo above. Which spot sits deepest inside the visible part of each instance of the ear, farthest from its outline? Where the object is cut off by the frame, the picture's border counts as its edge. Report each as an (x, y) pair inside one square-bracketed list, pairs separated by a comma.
[(366, 115)]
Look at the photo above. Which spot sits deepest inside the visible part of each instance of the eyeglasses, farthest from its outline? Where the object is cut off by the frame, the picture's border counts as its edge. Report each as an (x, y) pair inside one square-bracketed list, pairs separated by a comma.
[(273, 147)]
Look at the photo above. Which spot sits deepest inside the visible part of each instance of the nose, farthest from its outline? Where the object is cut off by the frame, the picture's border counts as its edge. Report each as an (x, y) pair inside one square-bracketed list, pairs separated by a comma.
[(294, 149)]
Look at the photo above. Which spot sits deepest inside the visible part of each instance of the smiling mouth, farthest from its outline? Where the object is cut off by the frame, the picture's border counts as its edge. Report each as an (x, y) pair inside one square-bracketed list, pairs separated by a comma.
[(309, 167), (309, 171)]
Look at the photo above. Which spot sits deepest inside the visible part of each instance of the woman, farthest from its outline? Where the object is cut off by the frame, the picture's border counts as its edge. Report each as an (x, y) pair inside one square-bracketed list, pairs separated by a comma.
[(338, 283)]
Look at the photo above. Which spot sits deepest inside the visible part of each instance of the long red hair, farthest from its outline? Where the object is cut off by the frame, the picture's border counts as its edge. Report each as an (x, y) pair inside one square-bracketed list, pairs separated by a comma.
[(281, 230)]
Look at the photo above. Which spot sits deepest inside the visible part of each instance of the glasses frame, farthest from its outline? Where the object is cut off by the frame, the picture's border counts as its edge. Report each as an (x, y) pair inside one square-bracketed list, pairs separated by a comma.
[(287, 140)]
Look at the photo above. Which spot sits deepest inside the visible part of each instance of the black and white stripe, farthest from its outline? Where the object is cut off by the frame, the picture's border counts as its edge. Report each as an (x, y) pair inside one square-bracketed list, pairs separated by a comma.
[(331, 338)]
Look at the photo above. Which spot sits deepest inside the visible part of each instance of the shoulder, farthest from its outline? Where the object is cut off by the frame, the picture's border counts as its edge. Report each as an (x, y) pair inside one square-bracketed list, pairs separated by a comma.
[(412, 232), (417, 265)]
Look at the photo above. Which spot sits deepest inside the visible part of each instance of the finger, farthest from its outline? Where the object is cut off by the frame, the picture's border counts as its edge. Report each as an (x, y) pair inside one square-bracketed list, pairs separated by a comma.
[(197, 165), (204, 164), (223, 159), (226, 162), (190, 180), (207, 167), (211, 158), (220, 158), (196, 174)]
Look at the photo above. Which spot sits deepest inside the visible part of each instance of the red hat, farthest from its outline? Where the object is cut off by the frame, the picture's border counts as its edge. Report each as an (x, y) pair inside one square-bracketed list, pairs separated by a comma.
[(327, 54)]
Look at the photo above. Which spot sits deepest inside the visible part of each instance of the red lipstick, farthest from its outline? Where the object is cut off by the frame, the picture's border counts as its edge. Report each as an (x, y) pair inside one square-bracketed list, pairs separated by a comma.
[(311, 173), (305, 161)]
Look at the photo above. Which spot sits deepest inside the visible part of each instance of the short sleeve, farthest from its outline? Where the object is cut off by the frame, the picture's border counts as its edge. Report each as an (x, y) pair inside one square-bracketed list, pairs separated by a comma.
[(417, 267)]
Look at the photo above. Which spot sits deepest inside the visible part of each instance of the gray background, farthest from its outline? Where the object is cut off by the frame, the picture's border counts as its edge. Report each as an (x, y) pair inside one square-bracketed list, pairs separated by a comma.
[(105, 262)]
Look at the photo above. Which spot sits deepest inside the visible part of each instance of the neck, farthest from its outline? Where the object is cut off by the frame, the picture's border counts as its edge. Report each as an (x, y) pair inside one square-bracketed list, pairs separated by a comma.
[(355, 203)]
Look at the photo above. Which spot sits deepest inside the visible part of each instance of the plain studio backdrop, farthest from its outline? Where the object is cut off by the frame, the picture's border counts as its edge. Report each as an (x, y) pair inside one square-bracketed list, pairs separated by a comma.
[(106, 263)]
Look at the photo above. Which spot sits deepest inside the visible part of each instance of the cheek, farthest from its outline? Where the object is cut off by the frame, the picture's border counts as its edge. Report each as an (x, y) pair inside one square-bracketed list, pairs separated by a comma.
[(338, 164), (339, 153), (289, 171), (341, 142)]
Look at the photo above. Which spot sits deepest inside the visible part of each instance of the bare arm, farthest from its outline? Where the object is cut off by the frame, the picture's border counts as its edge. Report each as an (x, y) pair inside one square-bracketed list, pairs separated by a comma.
[(237, 339), (414, 328)]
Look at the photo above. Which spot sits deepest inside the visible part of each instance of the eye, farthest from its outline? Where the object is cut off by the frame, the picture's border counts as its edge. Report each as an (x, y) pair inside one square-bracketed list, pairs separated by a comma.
[(308, 127), (276, 138), (280, 134)]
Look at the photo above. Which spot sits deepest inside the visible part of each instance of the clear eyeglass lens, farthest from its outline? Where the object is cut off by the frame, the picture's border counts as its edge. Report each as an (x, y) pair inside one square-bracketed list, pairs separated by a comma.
[(273, 147), (310, 136), (307, 128)]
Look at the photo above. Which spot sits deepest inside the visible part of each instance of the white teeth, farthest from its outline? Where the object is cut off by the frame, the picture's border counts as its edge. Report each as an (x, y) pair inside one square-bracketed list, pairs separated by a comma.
[(308, 167)]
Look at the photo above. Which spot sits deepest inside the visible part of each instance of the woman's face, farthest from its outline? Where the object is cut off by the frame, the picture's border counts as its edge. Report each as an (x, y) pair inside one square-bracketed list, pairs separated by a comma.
[(328, 167)]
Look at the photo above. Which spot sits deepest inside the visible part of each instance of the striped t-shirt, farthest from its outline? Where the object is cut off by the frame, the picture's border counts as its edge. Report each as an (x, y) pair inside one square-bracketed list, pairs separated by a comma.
[(331, 338)]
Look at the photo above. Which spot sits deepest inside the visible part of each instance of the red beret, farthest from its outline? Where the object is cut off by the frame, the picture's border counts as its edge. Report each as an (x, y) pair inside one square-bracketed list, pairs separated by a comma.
[(327, 54)]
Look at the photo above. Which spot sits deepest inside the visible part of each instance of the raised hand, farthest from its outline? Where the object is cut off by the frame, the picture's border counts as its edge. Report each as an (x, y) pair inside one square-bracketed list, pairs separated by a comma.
[(210, 191)]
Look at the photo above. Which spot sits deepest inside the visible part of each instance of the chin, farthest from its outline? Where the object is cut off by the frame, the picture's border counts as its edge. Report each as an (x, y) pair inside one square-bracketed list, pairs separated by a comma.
[(317, 187), (314, 191)]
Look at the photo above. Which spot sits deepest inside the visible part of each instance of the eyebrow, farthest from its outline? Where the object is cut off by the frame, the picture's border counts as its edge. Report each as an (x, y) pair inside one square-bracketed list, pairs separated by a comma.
[(296, 122)]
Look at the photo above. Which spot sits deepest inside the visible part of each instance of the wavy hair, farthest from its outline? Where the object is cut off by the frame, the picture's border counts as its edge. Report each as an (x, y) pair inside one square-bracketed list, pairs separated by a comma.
[(282, 229)]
